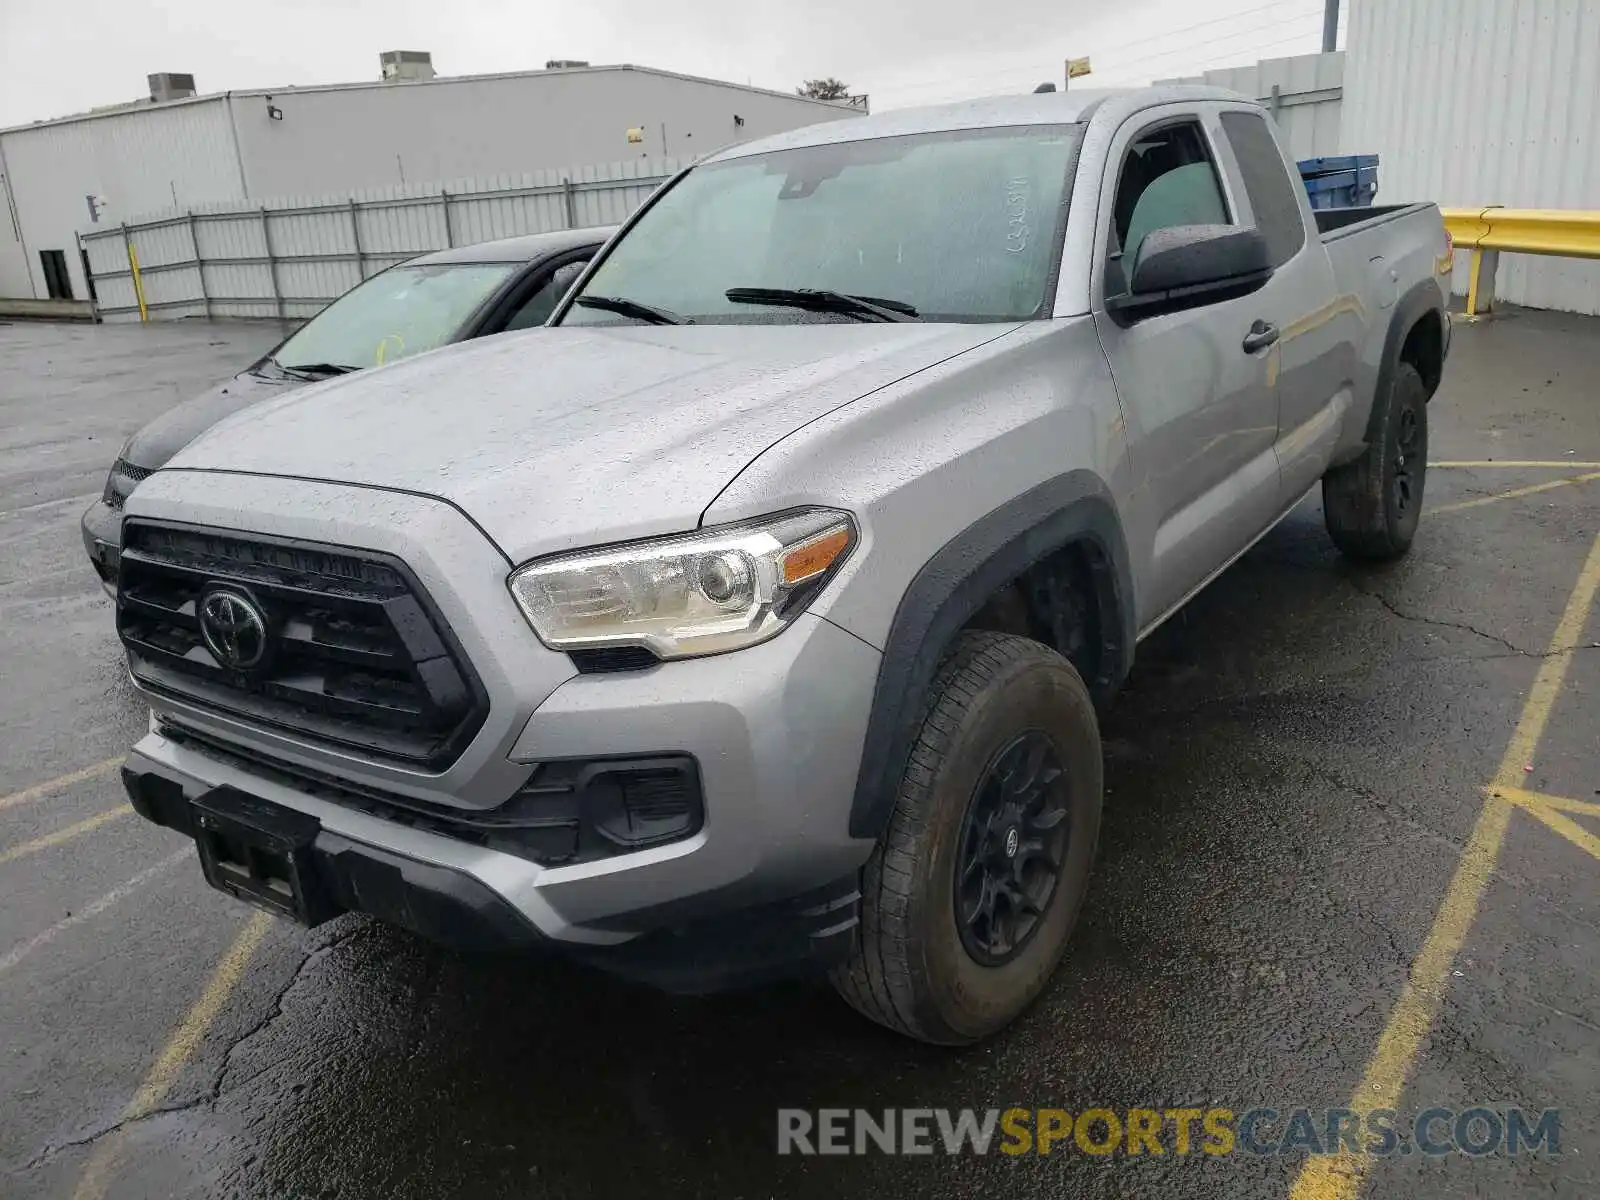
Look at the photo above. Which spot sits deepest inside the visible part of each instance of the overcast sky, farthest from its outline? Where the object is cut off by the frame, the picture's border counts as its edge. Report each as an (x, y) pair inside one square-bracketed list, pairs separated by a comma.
[(61, 56)]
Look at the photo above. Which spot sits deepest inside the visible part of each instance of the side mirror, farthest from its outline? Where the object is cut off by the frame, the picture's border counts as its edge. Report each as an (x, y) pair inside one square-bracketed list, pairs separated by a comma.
[(1184, 266)]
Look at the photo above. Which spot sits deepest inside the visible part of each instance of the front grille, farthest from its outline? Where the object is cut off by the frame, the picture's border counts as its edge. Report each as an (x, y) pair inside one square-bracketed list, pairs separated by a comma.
[(355, 655), (121, 481)]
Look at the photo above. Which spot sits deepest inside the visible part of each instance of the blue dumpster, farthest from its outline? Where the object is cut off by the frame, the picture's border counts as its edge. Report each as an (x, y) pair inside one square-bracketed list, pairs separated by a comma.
[(1340, 181)]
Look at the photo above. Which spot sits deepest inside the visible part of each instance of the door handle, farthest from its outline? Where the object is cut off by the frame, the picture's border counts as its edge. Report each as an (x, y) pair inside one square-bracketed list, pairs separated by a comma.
[(1262, 334)]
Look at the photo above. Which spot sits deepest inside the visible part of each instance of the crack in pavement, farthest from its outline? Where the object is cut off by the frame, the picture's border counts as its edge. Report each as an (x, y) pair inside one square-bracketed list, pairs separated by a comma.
[(89, 1139), (1458, 625), (1392, 809), (218, 1085), (208, 1098)]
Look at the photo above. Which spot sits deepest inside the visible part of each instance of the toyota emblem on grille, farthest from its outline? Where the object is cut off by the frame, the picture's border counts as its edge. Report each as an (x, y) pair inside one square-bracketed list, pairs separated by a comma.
[(234, 628)]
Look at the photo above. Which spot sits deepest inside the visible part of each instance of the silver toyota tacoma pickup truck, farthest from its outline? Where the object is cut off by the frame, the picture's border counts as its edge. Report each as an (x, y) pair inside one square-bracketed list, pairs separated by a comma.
[(720, 631)]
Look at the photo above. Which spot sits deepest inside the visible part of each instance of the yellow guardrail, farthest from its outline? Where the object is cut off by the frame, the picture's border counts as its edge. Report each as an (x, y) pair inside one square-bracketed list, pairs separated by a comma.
[(1569, 233)]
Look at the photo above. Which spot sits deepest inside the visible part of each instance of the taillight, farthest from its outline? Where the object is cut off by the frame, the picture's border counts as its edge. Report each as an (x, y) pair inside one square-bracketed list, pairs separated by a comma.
[(1449, 243)]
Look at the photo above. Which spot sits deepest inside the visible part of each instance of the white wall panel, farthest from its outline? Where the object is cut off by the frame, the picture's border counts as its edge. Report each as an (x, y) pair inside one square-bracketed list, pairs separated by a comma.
[(1475, 102), (339, 138), (1308, 99), (140, 160), (15, 276), (398, 138)]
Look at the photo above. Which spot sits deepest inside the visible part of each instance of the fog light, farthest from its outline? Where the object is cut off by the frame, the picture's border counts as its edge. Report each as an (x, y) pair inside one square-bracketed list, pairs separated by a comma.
[(643, 807)]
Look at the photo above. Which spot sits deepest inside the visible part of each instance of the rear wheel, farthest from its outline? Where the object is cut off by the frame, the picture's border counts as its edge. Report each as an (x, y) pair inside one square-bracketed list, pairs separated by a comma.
[(974, 888), (1372, 506)]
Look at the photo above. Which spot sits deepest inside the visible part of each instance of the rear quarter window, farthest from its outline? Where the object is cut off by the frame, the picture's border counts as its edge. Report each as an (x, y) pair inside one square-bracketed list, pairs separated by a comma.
[(1266, 181)]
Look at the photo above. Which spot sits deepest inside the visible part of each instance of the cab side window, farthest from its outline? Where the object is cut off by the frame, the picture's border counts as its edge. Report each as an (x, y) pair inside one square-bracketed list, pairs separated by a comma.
[(1168, 179), (1275, 199), (536, 309)]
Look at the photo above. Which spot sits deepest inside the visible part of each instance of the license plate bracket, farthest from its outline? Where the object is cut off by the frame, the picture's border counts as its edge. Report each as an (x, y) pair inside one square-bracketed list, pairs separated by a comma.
[(261, 853)]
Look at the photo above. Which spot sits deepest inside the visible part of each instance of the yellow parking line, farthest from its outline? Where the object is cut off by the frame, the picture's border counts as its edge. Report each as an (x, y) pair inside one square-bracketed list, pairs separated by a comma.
[(1552, 673), (1565, 464), (174, 1056), (1338, 1177), (40, 790), (1547, 809), (1566, 827), (1514, 494), (90, 911), (63, 835), (1528, 799)]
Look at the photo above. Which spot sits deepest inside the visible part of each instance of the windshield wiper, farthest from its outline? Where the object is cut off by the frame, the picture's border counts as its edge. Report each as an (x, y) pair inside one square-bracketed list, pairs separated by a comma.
[(624, 307), (315, 370), (865, 308)]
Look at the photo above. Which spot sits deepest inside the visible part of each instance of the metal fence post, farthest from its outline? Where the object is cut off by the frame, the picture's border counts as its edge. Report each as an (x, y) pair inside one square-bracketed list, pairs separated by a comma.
[(199, 265), (569, 193), (355, 240), (272, 263), (88, 276), (449, 234)]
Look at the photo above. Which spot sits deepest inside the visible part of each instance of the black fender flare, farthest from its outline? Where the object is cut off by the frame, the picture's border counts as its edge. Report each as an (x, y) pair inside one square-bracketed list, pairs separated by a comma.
[(1411, 308), (1074, 508)]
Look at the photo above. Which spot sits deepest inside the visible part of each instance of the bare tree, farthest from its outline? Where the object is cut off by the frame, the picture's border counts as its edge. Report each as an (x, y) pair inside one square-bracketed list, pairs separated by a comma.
[(824, 89)]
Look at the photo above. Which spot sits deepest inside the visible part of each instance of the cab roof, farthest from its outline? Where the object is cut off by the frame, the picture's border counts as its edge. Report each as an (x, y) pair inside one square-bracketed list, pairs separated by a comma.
[(992, 112)]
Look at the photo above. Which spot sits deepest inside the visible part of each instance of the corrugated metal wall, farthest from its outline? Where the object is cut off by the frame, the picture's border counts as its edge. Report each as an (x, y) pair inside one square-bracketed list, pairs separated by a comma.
[(1475, 102), (134, 161), (1304, 92), (290, 257), (331, 139), (337, 138)]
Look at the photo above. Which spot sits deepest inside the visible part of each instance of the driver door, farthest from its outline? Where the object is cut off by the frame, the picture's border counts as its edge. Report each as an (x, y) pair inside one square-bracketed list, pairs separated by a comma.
[(1201, 410)]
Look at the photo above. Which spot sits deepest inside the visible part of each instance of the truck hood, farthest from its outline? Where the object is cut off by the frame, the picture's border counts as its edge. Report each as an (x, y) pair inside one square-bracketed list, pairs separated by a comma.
[(558, 438), (157, 441)]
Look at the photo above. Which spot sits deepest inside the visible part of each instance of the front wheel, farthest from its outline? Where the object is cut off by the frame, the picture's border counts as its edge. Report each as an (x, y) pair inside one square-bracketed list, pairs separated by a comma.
[(974, 888), (1371, 506)]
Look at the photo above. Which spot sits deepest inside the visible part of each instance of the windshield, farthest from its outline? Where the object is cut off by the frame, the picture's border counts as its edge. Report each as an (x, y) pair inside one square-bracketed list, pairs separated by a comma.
[(405, 310), (958, 226)]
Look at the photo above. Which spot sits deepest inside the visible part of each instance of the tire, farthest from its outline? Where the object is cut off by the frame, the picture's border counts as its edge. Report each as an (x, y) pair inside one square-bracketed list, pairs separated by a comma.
[(1372, 506), (995, 701)]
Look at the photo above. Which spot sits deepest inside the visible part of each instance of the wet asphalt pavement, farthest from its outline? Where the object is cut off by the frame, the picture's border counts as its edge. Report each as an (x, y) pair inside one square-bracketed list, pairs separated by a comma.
[(1292, 775)]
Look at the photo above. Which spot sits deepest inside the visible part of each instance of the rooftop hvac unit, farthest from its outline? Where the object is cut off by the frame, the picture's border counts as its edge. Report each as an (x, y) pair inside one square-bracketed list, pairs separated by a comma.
[(406, 64), (169, 85)]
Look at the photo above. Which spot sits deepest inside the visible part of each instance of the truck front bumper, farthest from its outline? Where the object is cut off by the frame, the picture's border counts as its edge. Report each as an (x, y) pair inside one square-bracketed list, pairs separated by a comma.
[(762, 885)]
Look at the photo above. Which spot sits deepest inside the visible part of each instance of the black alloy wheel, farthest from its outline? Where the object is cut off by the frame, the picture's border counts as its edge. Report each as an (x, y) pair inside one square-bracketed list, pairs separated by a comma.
[(1013, 843)]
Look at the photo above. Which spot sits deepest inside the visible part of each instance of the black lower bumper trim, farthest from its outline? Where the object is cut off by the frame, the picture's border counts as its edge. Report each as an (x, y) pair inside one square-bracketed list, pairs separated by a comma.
[(792, 938), (440, 903), (750, 944)]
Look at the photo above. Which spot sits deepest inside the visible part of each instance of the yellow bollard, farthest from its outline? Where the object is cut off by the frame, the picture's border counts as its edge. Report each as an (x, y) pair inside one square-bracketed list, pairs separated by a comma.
[(138, 283)]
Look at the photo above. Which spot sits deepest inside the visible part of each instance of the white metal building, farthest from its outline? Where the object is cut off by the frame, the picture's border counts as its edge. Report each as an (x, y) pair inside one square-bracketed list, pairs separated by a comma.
[(1479, 102), (319, 141)]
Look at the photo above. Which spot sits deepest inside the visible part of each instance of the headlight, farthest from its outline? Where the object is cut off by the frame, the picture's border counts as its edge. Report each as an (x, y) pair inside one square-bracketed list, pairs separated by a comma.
[(701, 593)]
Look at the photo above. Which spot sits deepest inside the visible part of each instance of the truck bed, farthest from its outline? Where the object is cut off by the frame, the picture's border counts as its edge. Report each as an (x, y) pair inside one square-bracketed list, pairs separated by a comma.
[(1334, 223)]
